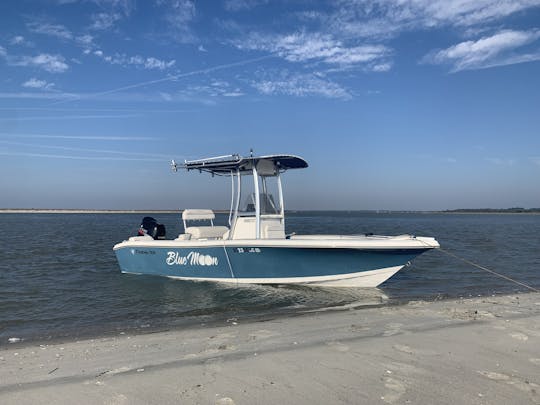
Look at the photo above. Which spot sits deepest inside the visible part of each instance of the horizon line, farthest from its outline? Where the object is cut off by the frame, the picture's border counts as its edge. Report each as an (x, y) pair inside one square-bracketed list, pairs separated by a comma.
[(224, 211)]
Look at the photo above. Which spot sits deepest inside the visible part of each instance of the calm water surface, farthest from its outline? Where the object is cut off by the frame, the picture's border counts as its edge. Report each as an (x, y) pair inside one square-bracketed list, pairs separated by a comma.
[(59, 277)]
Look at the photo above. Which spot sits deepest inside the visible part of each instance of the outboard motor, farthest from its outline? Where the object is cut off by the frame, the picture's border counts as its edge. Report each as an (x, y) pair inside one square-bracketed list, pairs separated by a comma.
[(160, 231), (149, 226)]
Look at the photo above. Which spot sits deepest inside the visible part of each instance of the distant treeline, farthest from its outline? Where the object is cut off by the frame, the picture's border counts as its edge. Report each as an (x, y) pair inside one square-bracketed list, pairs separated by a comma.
[(497, 210)]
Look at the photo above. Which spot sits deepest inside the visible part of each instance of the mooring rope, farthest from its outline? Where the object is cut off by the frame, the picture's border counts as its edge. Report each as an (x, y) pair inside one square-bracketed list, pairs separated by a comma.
[(488, 270)]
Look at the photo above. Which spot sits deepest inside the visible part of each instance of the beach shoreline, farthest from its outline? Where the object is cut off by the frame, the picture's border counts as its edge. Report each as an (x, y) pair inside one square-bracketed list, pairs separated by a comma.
[(475, 350)]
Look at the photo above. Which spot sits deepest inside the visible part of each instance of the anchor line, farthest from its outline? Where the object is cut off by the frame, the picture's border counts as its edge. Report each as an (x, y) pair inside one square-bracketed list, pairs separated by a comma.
[(488, 270)]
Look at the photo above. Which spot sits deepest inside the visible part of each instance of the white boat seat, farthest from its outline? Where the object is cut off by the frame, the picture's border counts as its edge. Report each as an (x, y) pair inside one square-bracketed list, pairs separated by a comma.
[(207, 232), (197, 215)]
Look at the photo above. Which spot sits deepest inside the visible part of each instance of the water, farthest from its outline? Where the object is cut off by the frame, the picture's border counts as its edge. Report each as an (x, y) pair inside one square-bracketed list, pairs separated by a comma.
[(59, 277)]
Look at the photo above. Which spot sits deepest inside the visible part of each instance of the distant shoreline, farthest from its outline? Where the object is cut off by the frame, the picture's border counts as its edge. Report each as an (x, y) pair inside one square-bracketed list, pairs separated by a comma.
[(155, 211), (81, 211)]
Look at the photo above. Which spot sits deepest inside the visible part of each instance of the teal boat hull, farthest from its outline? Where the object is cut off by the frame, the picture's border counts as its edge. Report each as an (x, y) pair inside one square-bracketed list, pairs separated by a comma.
[(267, 265)]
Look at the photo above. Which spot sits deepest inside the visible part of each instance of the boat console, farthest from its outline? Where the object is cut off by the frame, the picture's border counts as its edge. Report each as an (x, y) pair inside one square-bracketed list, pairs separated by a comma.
[(262, 217)]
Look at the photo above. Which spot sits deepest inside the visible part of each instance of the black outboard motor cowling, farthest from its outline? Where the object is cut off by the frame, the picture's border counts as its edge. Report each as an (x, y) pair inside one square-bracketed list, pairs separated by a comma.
[(160, 231), (149, 226)]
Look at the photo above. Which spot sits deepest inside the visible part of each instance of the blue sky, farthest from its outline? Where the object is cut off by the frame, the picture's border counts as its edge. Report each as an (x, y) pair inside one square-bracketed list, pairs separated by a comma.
[(395, 104)]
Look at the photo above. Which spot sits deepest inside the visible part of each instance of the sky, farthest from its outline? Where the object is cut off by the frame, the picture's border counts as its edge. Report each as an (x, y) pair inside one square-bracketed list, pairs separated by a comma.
[(395, 104)]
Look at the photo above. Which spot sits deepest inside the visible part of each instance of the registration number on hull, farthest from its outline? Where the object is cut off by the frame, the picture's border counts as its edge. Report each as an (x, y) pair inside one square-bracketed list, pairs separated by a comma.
[(247, 250)]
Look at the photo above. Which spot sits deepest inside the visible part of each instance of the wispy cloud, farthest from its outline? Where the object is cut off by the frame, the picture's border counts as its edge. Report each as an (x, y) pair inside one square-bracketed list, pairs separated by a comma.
[(205, 93), (183, 11), (68, 109), (86, 39), (45, 61), (69, 117), (19, 40), (470, 12), (3, 51), (498, 49), (179, 14), (166, 79), (137, 60), (88, 150), (104, 21), (44, 27), (34, 83), (243, 5), (381, 67), (72, 157), (386, 18), (38, 95), (536, 160), (155, 63), (501, 161), (81, 137), (125, 7), (16, 40), (304, 47), (50, 29), (111, 11), (300, 85)]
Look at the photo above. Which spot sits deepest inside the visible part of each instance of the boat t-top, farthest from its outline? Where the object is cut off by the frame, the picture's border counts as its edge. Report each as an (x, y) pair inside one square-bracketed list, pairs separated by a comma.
[(254, 248)]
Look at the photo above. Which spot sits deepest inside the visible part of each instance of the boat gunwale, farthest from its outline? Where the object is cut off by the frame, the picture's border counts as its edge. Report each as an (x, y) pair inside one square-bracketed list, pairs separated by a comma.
[(364, 243)]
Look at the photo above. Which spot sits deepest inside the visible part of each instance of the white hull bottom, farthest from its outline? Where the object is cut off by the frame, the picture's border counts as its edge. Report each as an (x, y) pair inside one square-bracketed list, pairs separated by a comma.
[(371, 278)]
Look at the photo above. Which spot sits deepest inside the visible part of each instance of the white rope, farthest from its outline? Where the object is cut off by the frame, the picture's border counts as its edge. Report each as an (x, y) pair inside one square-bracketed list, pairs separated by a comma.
[(489, 271)]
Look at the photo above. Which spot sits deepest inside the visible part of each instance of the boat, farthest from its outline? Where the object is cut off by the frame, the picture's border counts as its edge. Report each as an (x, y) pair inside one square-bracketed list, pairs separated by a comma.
[(254, 248)]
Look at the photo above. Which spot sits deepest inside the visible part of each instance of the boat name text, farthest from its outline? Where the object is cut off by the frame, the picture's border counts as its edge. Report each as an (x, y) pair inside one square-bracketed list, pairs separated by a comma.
[(192, 259)]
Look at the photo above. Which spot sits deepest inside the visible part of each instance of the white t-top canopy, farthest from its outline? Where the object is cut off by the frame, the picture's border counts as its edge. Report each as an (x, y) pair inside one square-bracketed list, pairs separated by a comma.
[(269, 165)]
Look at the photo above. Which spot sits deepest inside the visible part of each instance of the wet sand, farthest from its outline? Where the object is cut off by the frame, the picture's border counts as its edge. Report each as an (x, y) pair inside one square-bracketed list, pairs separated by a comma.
[(470, 351)]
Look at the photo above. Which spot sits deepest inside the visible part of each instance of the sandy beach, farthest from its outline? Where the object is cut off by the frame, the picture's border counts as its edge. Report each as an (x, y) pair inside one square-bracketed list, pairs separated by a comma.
[(469, 351)]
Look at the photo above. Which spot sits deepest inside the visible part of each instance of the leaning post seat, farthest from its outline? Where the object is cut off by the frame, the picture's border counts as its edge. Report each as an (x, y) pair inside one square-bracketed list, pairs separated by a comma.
[(202, 232), (198, 215), (206, 232)]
